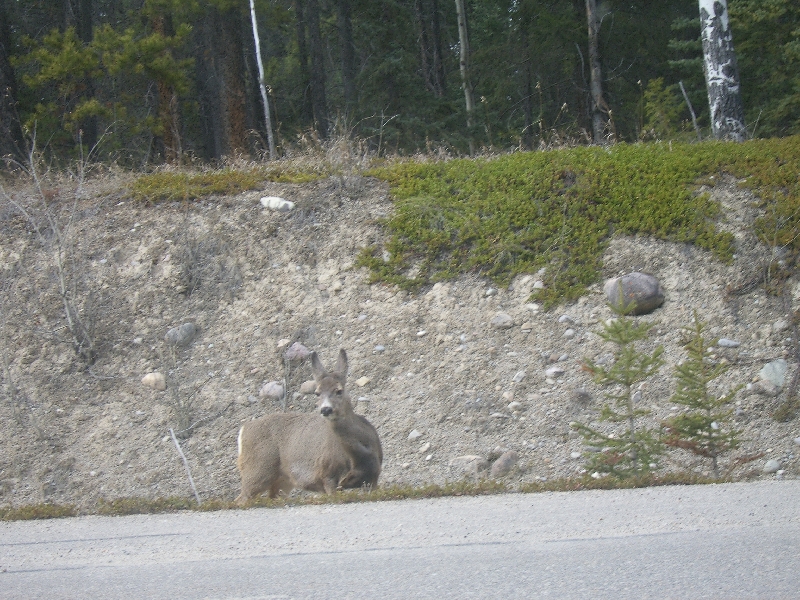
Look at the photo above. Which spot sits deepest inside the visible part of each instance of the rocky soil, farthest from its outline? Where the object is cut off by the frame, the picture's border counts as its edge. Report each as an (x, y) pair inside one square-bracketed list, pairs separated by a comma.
[(431, 371)]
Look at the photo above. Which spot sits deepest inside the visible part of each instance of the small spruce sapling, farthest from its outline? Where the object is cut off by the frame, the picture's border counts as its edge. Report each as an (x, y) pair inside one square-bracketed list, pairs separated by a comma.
[(634, 450), (702, 430)]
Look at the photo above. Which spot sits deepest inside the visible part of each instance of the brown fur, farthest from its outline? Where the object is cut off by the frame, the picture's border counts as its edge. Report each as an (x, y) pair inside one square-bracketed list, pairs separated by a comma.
[(333, 448)]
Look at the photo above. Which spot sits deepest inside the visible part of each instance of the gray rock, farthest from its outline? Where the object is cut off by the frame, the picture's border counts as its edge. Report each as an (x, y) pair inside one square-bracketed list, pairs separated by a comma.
[(554, 372), (297, 352), (272, 390), (182, 335), (726, 343), (503, 465), (414, 435), (502, 321), (635, 293), (764, 388), (771, 466), (155, 381), (797, 441), (308, 387), (569, 334), (378, 349), (519, 376), (775, 372), (469, 464)]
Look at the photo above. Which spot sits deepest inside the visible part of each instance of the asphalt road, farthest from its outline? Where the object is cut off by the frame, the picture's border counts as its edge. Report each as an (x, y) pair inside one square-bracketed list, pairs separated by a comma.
[(723, 541)]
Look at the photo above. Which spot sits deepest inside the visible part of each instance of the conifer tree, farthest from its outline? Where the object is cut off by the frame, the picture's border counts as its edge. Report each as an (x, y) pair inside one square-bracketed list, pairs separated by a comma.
[(633, 450), (701, 430)]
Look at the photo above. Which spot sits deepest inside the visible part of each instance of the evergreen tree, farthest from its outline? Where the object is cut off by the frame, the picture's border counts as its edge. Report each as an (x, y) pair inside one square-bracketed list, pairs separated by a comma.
[(636, 448), (702, 430)]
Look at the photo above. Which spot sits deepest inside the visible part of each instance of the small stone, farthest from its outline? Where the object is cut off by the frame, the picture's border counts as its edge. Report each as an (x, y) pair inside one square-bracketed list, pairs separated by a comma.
[(378, 349), (272, 390), (283, 342), (277, 203), (726, 343), (565, 319), (514, 406), (763, 388), (519, 376), (469, 464), (308, 387), (554, 372), (414, 435), (297, 352), (797, 441), (182, 335), (502, 321), (421, 333), (775, 372), (569, 334), (362, 381), (526, 326), (780, 325), (491, 292), (575, 455), (155, 381), (581, 395), (771, 466), (504, 464), (637, 293), (424, 448)]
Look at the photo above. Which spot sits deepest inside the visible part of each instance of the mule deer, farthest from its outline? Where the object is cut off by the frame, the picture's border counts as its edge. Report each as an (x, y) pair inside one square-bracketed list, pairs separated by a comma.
[(334, 449)]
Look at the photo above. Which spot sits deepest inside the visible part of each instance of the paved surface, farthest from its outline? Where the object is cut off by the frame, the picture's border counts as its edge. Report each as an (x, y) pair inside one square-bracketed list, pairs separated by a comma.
[(724, 541)]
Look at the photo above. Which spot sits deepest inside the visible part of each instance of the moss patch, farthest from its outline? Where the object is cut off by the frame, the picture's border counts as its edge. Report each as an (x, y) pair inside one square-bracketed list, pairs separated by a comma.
[(557, 210), (172, 186)]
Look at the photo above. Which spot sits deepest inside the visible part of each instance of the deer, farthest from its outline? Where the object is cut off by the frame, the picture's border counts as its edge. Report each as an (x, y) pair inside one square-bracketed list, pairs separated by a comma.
[(331, 449)]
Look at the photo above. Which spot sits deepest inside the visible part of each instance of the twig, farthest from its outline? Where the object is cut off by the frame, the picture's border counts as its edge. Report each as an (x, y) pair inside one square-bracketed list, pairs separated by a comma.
[(691, 110), (185, 464)]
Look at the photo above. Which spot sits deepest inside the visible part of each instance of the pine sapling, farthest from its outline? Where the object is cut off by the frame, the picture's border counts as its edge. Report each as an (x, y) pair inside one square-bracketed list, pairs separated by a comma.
[(636, 448), (702, 430)]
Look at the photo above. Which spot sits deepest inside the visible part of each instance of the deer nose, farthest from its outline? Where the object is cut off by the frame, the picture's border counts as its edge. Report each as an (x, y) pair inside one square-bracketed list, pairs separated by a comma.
[(326, 411)]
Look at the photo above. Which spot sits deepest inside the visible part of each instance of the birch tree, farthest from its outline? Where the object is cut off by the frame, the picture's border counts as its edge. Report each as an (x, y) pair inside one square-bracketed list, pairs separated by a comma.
[(722, 72), (599, 108), (464, 67), (262, 86)]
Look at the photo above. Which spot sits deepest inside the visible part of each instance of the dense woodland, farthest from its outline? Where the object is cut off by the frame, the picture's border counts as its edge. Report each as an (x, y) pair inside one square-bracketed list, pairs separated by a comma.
[(142, 82)]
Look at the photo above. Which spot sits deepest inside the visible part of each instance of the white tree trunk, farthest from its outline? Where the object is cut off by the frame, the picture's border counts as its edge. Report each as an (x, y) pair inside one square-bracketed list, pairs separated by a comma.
[(722, 72), (262, 85), (464, 62), (599, 108)]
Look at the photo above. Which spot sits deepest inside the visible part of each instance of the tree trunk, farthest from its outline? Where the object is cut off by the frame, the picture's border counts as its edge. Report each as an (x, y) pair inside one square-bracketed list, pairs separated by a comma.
[(348, 51), (422, 38), (262, 86), (221, 77), (319, 103), (11, 142), (599, 108), (306, 110), (464, 67), (78, 14), (167, 143), (438, 63), (722, 72)]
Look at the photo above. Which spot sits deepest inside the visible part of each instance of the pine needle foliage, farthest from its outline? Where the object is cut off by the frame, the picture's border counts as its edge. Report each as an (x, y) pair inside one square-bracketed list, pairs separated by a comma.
[(634, 450), (702, 430)]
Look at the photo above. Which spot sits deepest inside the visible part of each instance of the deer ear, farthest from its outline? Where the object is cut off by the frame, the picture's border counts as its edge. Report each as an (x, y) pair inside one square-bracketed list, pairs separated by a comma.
[(316, 367), (341, 364)]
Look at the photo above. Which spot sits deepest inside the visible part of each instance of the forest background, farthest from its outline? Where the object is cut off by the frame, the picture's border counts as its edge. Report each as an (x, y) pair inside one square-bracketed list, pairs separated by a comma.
[(143, 82)]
